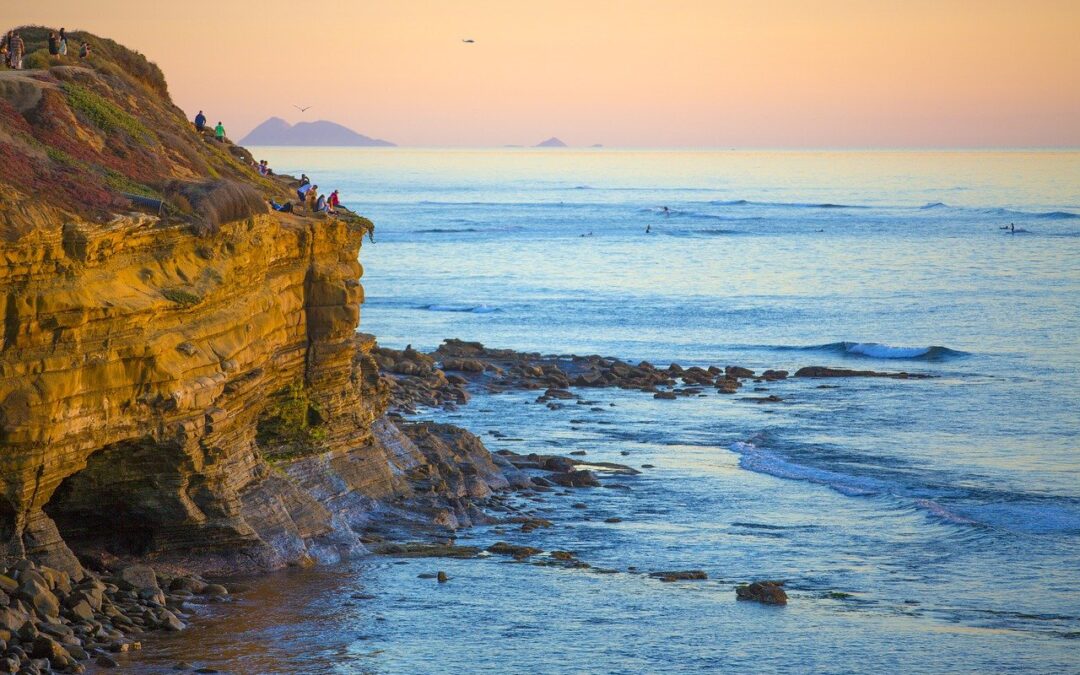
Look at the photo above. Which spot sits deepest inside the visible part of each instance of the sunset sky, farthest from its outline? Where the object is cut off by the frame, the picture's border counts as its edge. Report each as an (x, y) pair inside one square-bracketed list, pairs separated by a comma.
[(694, 73)]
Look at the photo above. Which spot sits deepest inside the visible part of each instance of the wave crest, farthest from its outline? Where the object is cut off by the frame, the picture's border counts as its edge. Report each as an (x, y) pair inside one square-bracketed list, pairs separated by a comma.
[(877, 350)]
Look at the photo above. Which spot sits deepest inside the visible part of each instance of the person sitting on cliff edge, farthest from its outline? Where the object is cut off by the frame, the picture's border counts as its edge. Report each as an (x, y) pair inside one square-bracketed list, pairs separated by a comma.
[(333, 202), (301, 192), (200, 121), (312, 197)]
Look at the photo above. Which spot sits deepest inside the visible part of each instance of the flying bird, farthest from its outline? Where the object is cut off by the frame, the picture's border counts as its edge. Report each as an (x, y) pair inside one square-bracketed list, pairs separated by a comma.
[(469, 41), (304, 109)]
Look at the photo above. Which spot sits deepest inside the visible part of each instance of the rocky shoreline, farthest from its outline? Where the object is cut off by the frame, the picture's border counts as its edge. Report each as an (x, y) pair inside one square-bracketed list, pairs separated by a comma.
[(53, 622), (446, 377)]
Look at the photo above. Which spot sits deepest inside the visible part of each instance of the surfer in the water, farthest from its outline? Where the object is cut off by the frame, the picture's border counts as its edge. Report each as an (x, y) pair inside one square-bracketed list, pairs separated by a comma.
[(667, 212)]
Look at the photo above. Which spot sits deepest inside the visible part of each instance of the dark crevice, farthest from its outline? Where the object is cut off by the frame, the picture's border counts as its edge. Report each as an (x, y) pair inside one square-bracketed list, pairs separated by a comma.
[(108, 506)]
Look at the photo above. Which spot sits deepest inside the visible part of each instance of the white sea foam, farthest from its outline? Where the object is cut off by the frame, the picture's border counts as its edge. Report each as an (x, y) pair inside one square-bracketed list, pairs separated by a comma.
[(760, 460)]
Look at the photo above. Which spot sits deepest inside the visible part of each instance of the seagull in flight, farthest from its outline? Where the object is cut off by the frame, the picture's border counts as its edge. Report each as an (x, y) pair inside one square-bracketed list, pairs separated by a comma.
[(304, 109), (469, 41)]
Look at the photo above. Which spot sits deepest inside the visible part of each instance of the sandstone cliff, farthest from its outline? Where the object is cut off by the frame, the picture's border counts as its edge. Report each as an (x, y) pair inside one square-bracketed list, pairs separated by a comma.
[(184, 385)]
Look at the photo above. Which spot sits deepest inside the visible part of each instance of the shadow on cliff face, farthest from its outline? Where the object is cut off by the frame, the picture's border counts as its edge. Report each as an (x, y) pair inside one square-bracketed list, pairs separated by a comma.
[(7, 519), (123, 501)]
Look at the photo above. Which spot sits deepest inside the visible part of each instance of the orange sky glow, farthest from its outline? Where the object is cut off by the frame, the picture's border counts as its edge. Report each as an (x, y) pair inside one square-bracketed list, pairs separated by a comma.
[(636, 73)]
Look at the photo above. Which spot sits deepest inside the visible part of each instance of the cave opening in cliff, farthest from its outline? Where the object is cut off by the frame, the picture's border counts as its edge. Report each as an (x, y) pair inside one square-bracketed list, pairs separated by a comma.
[(8, 519), (109, 506)]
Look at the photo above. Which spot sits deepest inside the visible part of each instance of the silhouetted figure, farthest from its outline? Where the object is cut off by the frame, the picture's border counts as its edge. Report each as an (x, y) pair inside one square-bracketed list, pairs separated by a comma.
[(648, 228)]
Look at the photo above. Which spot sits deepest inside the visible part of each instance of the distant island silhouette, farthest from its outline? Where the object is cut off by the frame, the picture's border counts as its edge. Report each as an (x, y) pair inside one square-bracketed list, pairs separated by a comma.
[(276, 131), (551, 143)]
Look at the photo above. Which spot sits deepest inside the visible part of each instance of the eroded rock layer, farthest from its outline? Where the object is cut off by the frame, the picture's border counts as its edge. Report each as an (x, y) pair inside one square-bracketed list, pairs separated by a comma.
[(149, 378)]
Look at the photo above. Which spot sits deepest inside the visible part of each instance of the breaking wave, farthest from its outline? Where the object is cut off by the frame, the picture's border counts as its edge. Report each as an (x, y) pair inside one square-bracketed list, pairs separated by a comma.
[(876, 350), (760, 460), (794, 205)]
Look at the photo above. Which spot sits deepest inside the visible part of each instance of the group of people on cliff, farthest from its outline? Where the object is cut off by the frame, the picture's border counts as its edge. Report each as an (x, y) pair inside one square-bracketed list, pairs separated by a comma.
[(13, 48), (219, 130), (309, 196)]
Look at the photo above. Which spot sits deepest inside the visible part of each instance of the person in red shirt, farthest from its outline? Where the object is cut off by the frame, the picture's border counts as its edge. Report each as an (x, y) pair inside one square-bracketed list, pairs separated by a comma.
[(333, 202)]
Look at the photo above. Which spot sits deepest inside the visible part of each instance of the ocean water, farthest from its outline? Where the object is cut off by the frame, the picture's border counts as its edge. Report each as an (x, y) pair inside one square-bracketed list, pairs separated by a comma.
[(920, 525)]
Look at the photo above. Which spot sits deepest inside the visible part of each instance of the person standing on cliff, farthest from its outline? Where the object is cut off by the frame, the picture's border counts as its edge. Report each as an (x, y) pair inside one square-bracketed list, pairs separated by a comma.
[(63, 42), (16, 47), (200, 121), (219, 132), (54, 44)]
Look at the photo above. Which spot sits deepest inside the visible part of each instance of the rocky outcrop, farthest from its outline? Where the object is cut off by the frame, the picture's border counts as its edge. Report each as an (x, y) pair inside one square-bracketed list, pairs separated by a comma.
[(183, 385), (140, 362), (765, 592), (823, 371)]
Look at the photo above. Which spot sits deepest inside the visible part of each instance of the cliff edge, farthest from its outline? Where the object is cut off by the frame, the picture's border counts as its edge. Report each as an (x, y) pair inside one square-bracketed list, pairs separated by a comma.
[(180, 375)]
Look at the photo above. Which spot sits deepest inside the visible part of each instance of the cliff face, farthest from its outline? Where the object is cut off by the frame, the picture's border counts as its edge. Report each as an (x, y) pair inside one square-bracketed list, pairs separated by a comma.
[(185, 386), (137, 363)]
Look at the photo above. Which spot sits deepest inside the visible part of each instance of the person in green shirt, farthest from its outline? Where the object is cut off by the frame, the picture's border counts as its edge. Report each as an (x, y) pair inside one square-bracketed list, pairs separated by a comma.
[(219, 132)]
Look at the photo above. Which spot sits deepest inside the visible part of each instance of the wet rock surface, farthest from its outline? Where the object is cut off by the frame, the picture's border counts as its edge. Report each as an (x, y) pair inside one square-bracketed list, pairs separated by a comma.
[(446, 377), (765, 592)]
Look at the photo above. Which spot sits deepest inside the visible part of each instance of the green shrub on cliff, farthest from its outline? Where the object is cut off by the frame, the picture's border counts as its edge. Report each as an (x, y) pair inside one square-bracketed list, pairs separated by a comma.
[(291, 426), (181, 297), (103, 114)]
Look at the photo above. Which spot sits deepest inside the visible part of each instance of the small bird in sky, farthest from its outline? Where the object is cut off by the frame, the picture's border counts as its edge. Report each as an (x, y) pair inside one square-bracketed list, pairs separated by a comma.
[(303, 109), (469, 41)]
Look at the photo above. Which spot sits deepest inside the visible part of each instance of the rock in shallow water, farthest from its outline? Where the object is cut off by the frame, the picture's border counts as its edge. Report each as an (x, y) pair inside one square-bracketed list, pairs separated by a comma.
[(765, 592), (681, 575)]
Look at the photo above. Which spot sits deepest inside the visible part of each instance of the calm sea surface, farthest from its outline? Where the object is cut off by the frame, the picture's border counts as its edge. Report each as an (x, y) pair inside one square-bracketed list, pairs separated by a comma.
[(926, 526)]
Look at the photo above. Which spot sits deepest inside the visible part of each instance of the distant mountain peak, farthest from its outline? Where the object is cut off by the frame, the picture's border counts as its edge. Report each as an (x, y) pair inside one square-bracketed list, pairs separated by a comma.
[(276, 131), (552, 142)]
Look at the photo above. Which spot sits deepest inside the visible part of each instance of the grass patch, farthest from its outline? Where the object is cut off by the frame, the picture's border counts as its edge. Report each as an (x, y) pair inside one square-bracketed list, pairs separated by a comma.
[(121, 183), (215, 202), (291, 426), (104, 114)]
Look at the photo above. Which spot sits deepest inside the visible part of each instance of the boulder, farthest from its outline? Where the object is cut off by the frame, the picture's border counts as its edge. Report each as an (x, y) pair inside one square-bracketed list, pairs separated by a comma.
[(44, 647), (765, 592), (738, 371), (517, 552), (137, 577), (579, 478), (190, 584), (34, 591)]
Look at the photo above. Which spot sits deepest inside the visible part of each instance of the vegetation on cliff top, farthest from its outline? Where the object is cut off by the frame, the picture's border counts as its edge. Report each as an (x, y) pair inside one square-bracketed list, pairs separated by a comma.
[(78, 135)]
